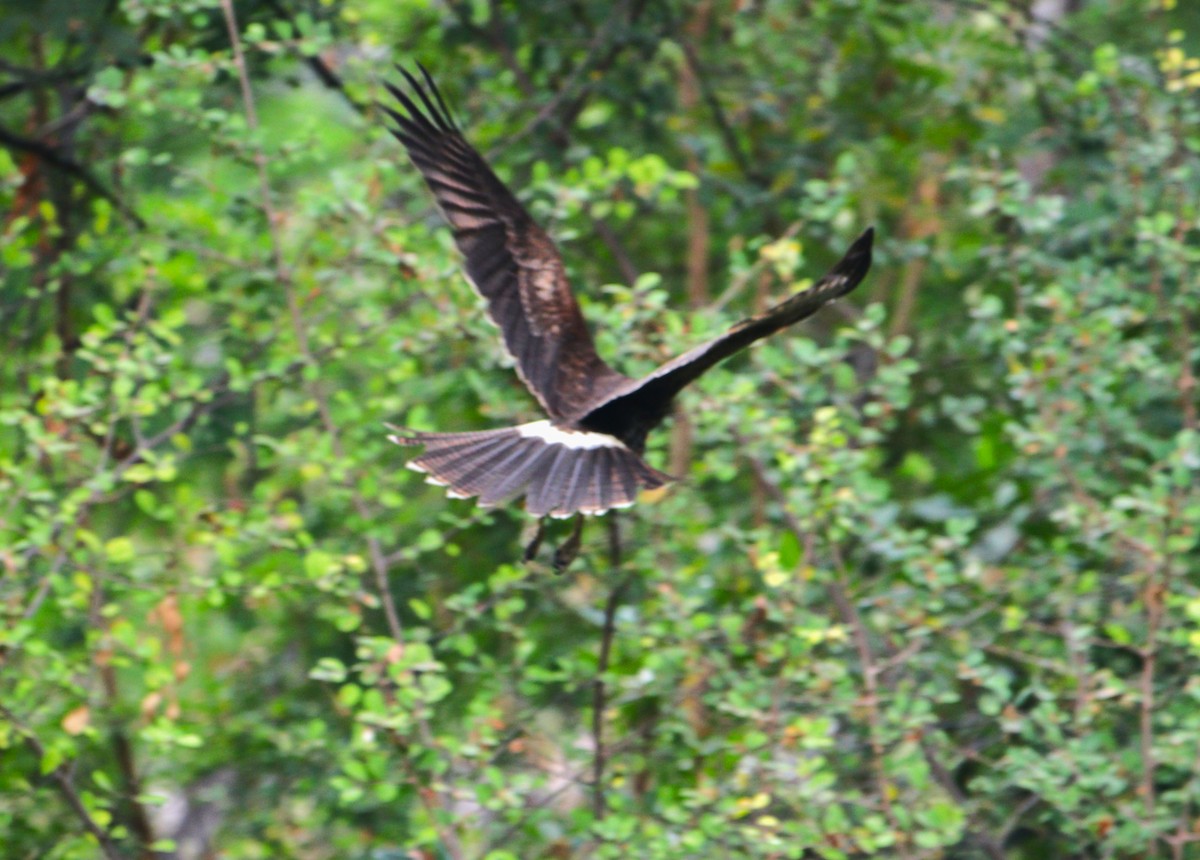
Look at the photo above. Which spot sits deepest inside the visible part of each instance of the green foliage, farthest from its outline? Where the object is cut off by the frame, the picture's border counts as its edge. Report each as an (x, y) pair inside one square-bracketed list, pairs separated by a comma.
[(928, 587)]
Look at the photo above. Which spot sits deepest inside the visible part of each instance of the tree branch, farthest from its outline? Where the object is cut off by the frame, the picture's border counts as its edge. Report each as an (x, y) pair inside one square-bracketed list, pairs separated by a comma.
[(51, 156), (66, 787), (320, 68), (732, 144), (870, 671)]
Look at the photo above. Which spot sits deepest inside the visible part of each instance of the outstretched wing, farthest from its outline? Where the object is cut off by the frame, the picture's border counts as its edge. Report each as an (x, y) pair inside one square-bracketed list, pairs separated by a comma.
[(509, 260), (666, 381)]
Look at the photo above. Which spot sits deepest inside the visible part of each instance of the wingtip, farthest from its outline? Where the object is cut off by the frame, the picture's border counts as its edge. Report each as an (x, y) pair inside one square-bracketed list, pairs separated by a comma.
[(859, 254), (402, 435), (437, 111), (408, 76), (854, 265), (413, 84)]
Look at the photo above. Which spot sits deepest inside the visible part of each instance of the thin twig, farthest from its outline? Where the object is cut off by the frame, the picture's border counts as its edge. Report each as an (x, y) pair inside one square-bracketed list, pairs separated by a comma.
[(123, 752), (1186, 383), (1014, 819), (870, 698), (181, 425), (447, 835), (569, 87), (750, 273), (992, 847), (321, 69), (560, 132), (66, 787), (871, 667), (858, 631), (598, 689), (732, 145), (51, 156), (629, 269), (1153, 598), (433, 800), (1183, 831), (698, 231), (375, 551), (1078, 661)]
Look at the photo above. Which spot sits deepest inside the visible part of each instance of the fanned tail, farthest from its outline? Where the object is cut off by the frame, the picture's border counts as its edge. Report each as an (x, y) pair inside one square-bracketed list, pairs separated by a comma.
[(559, 471)]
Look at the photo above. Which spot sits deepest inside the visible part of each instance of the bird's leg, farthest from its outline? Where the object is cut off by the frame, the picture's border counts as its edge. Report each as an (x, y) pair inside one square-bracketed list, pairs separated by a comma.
[(568, 550), (535, 543)]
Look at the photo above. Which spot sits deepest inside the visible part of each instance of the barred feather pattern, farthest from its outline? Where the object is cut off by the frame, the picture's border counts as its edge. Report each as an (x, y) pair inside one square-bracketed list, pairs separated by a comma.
[(509, 260), (559, 471)]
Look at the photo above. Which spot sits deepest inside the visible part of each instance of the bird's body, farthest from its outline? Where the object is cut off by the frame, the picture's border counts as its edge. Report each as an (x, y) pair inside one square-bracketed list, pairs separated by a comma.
[(587, 457)]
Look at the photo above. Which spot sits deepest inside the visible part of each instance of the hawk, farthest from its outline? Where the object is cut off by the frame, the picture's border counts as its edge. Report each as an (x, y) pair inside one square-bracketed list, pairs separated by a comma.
[(586, 457)]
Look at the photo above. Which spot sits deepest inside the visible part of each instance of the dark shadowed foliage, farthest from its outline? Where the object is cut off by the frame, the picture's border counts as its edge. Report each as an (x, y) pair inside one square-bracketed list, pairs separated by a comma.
[(927, 587)]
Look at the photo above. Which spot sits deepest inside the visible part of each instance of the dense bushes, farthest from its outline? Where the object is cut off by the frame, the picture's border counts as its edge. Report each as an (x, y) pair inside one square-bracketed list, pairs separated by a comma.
[(928, 587)]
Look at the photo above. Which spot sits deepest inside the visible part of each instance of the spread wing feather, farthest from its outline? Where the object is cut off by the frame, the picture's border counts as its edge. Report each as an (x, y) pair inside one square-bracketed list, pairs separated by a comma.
[(667, 380), (559, 472), (510, 261)]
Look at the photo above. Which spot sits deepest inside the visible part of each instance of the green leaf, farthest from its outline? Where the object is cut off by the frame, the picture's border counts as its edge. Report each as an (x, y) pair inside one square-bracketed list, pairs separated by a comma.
[(120, 550), (789, 550)]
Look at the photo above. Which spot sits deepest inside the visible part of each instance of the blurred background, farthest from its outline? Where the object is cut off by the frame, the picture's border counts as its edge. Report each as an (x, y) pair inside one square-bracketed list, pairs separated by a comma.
[(929, 585)]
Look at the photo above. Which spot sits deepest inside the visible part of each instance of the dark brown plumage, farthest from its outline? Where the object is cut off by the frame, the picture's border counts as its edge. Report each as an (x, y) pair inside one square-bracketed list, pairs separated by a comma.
[(587, 457)]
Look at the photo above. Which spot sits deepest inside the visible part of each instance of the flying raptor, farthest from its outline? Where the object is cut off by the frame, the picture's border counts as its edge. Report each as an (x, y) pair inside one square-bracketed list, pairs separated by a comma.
[(587, 457)]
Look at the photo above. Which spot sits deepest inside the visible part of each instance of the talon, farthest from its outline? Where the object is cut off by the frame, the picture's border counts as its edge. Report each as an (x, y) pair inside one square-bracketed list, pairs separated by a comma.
[(531, 548), (568, 551)]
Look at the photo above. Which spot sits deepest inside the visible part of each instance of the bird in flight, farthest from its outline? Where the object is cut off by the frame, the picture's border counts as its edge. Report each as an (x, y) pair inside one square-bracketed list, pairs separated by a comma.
[(587, 456)]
